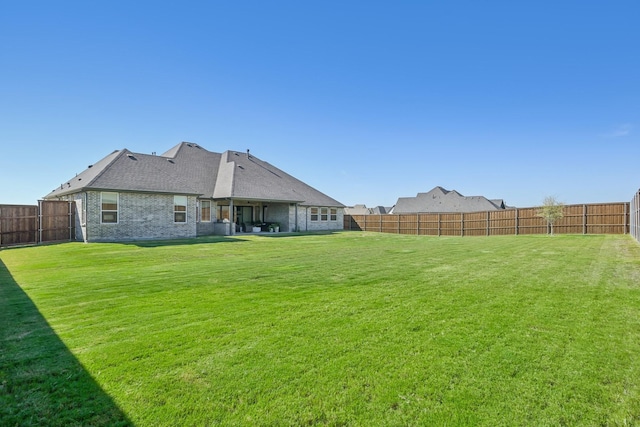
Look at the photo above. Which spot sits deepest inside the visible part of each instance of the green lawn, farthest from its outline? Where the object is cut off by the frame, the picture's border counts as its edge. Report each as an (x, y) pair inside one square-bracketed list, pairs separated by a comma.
[(346, 328)]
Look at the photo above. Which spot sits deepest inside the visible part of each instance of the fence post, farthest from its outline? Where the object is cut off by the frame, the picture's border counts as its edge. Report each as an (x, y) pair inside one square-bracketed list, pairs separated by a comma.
[(517, 220), (439, 224), (39, 234), (487, 223), (584, 219), (398, 224), (462, 224)]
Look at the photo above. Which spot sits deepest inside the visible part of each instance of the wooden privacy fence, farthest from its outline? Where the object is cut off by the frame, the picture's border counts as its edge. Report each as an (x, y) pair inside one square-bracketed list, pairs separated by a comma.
[(49, 221), (603, 218), (634, 221)]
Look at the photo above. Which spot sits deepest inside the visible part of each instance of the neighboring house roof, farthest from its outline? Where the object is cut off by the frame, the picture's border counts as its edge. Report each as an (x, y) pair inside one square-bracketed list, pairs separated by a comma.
[(188, 168), (442, 200), (380, 210), (357, 210), (364, 210)]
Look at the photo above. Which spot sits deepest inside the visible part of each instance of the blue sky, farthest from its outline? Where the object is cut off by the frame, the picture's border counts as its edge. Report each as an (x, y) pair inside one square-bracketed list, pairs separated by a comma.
[(366, 101)]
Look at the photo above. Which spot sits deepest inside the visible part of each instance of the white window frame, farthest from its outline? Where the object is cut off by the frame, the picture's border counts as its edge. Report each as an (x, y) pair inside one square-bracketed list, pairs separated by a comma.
[(314, 213), (324, 214), (333, 214), (109, 211), (176, 211)]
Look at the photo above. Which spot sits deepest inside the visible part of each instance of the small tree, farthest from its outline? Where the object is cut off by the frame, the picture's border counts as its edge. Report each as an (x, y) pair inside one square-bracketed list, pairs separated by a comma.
[(551, 210)]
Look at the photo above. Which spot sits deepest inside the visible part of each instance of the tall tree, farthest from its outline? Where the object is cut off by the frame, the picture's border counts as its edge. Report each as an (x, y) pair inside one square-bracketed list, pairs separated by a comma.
[(551, 210)]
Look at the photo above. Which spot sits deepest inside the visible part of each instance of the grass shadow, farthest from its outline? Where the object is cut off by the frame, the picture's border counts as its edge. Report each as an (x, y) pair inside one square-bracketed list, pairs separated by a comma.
[(41, 381), (237, 238), (298, 234), (183, 242)]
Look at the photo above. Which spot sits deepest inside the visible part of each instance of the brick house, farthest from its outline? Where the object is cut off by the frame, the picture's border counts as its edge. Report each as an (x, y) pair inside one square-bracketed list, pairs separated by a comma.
[(189, 191)]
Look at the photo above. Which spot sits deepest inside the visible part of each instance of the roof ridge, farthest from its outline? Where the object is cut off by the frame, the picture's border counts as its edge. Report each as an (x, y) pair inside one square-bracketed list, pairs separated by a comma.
[(233, 172)]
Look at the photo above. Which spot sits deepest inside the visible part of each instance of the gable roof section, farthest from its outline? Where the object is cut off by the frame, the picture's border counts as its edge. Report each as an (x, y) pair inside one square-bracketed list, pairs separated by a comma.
[(244, 176), (188, 168), (124, 170), (442, 200), (197, 166)]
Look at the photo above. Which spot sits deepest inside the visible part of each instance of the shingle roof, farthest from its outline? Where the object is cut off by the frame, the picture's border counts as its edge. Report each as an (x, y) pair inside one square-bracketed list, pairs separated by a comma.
[(442, 200), (190, 169), (381, 210), (357, 210)]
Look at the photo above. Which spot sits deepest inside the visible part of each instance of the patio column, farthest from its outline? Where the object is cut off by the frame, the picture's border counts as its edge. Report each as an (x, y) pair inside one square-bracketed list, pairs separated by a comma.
[(232, 218)]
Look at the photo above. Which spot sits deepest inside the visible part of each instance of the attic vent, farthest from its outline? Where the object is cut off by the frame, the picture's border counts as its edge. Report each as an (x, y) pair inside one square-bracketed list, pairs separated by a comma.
[(170, 161), (189, 145), (131, 156), (90, 166)]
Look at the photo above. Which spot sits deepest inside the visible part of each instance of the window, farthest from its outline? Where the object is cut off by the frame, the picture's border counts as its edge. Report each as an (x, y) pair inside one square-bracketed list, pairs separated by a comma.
[(333, 212), (205, 211), (179, 208), (109, 207), (314, 214), (223, 213), (324, 214)]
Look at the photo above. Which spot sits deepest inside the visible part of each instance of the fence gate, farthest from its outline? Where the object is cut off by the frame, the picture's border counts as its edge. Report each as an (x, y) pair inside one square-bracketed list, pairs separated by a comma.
[(18, 224), (49, 221)]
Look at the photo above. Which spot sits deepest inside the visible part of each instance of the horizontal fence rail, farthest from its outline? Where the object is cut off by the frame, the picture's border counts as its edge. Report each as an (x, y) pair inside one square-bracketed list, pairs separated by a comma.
[(49, 221), (602, 218)]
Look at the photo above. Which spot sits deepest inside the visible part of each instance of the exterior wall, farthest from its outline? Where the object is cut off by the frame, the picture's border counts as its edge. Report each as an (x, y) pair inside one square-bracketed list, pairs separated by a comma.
[(279, 212), (141, 216), (305, 223), (206, 228), (146, 216)]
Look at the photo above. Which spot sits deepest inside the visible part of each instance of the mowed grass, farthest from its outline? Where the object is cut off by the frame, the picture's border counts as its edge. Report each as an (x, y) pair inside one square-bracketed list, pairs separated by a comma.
[(346, 328)]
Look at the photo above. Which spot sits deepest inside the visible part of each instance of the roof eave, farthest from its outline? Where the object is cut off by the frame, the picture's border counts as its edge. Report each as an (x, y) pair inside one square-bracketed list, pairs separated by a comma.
[(258, 199)]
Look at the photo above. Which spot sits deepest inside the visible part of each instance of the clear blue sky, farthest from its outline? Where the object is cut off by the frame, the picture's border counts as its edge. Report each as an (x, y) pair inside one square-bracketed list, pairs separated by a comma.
[(366, 101)]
